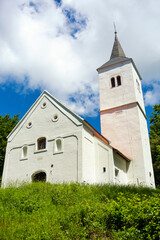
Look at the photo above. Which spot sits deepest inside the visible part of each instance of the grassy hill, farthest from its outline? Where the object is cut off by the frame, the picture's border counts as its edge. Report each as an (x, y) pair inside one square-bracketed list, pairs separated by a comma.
[(43, 211)]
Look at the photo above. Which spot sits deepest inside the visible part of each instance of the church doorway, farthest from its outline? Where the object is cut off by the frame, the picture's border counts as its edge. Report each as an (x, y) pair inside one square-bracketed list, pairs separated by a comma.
[(39, 177)]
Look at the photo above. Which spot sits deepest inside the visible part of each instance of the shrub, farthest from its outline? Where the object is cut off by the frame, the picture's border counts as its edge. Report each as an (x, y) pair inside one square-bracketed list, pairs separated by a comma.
[(79, 211)]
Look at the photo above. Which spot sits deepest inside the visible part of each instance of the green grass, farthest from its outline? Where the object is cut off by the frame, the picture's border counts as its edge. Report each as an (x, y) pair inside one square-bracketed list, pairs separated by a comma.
[(43, 211)]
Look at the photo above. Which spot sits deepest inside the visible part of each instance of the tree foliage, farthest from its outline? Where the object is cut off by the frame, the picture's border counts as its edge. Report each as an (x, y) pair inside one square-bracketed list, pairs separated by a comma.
[(155, 141), (6, 125)]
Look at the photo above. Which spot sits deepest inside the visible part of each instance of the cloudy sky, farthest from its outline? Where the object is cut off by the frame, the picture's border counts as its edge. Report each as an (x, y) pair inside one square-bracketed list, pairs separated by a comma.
[(58, 45)]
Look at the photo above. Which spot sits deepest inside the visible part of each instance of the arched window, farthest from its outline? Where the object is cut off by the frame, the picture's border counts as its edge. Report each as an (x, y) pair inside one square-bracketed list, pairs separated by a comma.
[(58, 147), (41, 143), (118, 80), (24, 152), (113, 82)]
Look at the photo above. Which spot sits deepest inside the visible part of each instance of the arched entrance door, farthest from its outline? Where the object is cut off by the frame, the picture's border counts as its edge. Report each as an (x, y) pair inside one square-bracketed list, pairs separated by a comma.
[(39, 177)]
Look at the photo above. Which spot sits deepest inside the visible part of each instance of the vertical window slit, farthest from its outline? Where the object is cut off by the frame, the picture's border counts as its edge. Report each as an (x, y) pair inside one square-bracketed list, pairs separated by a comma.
[(24, 152), (58, 146), (113, 82), (118, 80)]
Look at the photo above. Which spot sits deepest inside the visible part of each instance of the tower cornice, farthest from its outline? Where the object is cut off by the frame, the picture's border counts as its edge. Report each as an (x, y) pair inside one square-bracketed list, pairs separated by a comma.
[(117, 61), (122, 106)]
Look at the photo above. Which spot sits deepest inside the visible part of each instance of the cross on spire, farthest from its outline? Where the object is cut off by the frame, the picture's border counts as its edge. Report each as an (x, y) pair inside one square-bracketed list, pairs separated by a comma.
[(114, 28)]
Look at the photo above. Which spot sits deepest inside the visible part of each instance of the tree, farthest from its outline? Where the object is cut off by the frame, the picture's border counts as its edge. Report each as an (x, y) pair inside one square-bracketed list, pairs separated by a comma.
[(6, 125), (155, 141)]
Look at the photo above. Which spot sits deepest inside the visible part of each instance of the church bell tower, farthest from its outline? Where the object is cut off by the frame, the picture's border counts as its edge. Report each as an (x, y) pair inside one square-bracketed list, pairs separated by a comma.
[(122, 113)]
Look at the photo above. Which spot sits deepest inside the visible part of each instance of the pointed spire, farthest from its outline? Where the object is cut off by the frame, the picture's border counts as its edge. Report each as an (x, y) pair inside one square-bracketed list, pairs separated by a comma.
[(117, 50), (117, 56)]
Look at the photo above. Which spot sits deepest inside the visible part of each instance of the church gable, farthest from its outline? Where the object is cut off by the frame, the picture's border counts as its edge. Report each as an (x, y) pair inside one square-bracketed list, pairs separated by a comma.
[(47, 117), (45, 144)]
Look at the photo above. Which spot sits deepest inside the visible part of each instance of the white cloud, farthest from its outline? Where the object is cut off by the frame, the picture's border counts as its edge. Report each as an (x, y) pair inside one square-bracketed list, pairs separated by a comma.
[(152, 96), (36, 42)]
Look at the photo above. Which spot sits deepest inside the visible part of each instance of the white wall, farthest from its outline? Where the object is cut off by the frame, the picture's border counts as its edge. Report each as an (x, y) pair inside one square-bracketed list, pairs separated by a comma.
[(121, 167), (102, 164), (125, 126), (66, 164), (117, 96), (88, 157), (96, 156), (138, 89), (149, 174)]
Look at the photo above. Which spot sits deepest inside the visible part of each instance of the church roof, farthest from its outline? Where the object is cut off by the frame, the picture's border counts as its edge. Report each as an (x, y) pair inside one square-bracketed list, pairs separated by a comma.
[(118, 56), (114, 61), (117, 50), (121, 154)]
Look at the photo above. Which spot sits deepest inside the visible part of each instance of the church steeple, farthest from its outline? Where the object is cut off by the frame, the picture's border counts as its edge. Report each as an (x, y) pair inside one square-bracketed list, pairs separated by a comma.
[(122, 113), (117, 50), (117, 55)]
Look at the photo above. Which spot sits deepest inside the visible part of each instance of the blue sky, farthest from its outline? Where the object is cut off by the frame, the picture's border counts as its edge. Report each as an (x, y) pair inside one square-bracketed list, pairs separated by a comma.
[(17, 102), (58, 45)]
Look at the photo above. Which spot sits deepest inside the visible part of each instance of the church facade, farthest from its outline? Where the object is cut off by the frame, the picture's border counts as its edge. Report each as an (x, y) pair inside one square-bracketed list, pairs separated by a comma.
[(52, 143)]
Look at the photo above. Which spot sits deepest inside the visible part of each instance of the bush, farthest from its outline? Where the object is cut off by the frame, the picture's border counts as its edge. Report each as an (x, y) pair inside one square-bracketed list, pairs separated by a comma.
[(79, 211)]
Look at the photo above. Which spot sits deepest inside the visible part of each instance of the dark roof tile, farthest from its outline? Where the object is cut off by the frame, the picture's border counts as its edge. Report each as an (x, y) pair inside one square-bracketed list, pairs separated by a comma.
[(114, 61), (117, 50)]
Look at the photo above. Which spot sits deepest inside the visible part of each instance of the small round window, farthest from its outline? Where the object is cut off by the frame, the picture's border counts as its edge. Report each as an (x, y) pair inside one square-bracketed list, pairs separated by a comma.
[(44, 105), (29, 124), (55, 118)]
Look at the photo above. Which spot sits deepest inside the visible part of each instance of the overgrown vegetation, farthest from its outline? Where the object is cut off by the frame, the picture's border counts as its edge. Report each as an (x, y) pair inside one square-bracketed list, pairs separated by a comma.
[(155, 141), (46, 211), (7, 123)]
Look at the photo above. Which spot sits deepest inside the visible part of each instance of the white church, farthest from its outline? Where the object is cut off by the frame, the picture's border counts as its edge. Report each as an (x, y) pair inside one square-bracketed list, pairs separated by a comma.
[(51, 143)]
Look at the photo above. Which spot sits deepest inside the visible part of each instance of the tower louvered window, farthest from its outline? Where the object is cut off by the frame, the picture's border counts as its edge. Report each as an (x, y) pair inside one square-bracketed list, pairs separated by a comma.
[(113, 82), (118, 80)]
